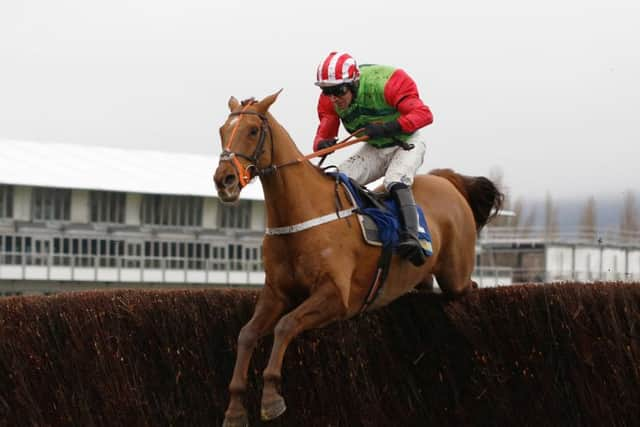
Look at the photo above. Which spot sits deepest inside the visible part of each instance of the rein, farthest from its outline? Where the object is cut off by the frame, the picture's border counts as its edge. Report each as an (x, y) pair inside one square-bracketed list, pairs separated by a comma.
[(248, 172), (339, 145)]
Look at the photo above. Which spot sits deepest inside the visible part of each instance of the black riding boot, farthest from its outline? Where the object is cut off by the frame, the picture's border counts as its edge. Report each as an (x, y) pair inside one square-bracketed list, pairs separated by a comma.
[(409, 246)]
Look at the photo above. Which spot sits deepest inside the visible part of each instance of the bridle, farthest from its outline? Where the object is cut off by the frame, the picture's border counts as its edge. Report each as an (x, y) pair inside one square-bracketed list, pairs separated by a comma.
[(247, 173), (251, 170)]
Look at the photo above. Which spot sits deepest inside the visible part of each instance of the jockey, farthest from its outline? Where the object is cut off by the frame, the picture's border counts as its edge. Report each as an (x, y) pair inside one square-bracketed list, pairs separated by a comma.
[(385, 102)]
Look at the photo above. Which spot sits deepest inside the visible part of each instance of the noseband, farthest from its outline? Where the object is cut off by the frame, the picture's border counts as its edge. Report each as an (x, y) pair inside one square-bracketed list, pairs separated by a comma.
[(247, 173)]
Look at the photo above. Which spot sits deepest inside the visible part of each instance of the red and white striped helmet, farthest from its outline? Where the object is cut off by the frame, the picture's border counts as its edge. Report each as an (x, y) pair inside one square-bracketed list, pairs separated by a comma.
[(337, 68)]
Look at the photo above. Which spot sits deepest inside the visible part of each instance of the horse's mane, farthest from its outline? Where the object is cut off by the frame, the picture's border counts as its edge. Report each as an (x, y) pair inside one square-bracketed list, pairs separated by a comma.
[(252, 100)]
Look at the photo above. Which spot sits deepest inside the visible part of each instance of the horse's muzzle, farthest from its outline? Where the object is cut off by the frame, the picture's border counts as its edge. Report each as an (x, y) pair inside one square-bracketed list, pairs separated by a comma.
[(227, 184)]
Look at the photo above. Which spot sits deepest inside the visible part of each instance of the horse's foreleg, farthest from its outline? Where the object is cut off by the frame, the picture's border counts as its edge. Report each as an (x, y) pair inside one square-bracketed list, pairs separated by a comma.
[(267, 312), (322, 307)]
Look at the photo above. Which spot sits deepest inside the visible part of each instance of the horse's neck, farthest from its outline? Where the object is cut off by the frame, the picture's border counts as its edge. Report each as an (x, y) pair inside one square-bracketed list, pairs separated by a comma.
[(297, 192)]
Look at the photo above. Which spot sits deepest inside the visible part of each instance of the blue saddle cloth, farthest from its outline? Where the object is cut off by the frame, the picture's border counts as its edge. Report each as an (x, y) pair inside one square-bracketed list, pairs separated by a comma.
[(388, 222)]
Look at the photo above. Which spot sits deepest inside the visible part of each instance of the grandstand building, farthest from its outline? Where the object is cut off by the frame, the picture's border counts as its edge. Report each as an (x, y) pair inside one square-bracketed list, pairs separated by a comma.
[(517, 255), (75, 216), (82, 217)]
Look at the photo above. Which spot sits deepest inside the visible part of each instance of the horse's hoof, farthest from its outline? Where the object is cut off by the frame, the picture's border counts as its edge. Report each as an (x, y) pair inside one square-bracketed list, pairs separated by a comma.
[(236, 421), (273, 409)]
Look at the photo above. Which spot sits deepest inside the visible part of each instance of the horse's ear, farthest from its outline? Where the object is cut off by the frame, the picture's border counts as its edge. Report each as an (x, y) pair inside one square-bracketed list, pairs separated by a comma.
[(265, 103), (233, 103)]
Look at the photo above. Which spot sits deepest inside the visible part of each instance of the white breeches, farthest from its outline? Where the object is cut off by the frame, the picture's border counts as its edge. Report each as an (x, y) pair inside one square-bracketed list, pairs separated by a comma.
[(394, 163)]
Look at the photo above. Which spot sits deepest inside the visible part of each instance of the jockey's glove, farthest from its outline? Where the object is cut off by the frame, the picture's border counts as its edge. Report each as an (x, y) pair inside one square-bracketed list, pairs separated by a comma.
[(381, 130), (325, 143)]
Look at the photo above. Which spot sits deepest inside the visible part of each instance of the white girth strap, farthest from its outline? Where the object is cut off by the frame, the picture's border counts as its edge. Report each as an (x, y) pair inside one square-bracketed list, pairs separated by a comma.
[(310, 223)]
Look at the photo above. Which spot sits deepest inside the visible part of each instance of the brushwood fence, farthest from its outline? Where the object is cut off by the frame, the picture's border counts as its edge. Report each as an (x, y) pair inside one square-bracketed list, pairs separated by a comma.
[(558, 354)]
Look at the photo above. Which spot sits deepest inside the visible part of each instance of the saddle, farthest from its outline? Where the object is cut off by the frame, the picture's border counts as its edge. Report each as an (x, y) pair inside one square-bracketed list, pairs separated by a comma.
[(378, 216)]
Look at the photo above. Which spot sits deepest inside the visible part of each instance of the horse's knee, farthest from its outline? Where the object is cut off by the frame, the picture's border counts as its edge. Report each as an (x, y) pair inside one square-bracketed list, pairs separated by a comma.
[(248, 337), (286, 326)]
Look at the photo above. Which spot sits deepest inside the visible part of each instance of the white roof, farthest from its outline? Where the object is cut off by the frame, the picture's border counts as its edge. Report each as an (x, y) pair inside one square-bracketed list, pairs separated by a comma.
[(111, 169)]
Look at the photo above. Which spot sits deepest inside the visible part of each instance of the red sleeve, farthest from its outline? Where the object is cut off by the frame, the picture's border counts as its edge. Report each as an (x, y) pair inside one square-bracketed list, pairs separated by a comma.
[(329, 121), (401, 93)]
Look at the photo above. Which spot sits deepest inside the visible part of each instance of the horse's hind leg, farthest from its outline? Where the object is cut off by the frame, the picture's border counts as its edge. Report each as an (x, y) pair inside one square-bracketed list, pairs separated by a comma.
[(454, 284), (426, 284), (454, 275), (321, 308), (268, 310)]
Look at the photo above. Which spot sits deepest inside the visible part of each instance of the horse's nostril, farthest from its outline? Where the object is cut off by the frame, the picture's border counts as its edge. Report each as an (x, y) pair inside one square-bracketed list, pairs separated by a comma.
[(229, 180)]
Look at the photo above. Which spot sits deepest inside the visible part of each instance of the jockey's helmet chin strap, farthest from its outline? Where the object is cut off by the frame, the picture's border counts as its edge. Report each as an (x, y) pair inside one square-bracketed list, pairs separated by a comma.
[(251, 170)]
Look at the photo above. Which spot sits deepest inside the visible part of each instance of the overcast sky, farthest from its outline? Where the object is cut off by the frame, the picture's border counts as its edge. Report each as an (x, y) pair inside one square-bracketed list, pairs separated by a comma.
[(547, 91)]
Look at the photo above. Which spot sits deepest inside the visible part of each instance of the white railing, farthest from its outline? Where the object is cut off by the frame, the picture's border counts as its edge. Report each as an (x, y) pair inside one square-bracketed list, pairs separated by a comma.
[(488, 277), (576, 235), (50, 266), (129, 269)]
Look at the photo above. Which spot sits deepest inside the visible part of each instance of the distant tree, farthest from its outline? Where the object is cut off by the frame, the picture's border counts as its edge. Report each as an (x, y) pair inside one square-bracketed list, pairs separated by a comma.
[(630, 220), (550, 216), (529, 223), (518, 211), (588, 222)]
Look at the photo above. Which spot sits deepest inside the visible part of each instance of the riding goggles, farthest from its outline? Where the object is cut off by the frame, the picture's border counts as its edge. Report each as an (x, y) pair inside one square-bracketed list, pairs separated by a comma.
[(338, 90)]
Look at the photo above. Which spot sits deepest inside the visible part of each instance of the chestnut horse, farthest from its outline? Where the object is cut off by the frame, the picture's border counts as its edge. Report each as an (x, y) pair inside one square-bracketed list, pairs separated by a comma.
[(320, 274)]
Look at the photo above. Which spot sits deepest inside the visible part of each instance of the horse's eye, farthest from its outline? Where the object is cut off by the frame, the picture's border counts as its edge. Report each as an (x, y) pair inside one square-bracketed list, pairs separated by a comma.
[(253, 131)]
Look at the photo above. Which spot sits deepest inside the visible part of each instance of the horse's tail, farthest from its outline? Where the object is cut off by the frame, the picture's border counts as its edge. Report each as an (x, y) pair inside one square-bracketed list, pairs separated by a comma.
[(483, 196)]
